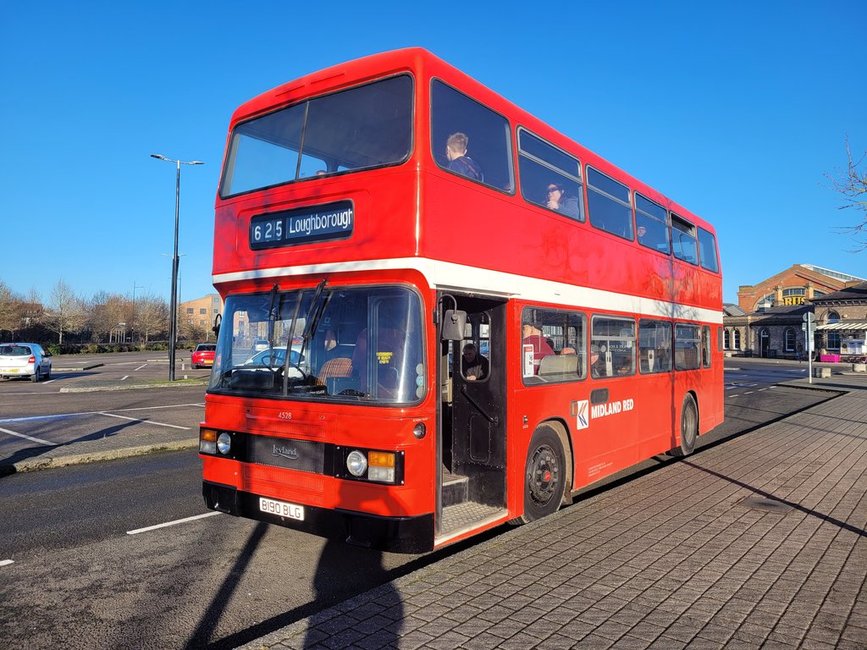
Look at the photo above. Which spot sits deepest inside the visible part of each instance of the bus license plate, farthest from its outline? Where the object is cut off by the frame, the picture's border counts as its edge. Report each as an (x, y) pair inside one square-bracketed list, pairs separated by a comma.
[(281, 508)]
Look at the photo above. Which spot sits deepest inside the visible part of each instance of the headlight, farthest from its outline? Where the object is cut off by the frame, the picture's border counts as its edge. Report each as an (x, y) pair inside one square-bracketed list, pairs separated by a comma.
[(356, 463), (224, 443)]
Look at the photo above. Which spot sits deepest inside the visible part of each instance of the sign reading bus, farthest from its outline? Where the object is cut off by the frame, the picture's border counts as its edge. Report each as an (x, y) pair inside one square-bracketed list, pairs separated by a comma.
[(302, 225)]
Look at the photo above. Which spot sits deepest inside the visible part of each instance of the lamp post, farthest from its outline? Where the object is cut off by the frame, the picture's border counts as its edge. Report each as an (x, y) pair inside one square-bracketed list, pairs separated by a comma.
[(173, 318)]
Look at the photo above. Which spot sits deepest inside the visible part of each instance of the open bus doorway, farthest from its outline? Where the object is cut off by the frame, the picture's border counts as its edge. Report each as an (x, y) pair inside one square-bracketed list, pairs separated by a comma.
[(472, 442)]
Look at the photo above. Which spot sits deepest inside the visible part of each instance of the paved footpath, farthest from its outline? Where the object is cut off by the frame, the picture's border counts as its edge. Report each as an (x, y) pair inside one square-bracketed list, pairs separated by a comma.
[(759, 541)]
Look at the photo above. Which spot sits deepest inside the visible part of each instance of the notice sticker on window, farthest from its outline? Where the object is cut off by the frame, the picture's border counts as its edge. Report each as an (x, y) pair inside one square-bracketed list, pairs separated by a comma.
[(529, 358)]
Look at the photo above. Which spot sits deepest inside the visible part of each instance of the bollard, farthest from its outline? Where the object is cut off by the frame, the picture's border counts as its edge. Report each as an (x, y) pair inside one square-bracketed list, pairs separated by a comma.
[(821, 372), (859, 367)]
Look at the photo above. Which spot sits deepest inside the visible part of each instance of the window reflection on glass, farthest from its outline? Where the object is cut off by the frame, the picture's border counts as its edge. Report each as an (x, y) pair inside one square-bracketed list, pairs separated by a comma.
[(612, 347), (687, 346), (553, 346), (654, 346), (487, 134), (651, 221), (550, 177), (608, 204), (360, 128), (359, 344)]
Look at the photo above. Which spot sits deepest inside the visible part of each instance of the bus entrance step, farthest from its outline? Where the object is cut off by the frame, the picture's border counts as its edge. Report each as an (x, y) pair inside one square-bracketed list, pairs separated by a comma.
[(455, 488)]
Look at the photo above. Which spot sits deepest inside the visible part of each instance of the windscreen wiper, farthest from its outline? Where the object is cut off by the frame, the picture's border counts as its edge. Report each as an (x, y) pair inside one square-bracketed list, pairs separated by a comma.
[(312, 315)]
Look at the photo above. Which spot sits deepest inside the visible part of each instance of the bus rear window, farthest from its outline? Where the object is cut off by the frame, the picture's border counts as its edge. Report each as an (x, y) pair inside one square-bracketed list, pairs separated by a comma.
[(360, 128)]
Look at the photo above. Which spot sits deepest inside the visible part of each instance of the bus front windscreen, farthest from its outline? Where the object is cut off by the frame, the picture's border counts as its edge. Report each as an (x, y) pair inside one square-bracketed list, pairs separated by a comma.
[(358, 344), (360, 128)]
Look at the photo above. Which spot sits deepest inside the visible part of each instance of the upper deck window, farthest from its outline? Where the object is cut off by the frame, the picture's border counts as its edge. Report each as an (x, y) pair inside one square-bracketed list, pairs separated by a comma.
[(652, 222), (707, 248), (549, 176), (470, 139), (364, 127), (608, 201), (683, 239)]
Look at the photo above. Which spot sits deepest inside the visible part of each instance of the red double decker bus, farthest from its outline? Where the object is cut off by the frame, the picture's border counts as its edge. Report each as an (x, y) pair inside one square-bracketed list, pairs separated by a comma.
[(441, 314)]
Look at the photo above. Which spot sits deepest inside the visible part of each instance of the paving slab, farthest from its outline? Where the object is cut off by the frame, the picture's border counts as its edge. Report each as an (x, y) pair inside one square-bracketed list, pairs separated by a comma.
[(759, 541)]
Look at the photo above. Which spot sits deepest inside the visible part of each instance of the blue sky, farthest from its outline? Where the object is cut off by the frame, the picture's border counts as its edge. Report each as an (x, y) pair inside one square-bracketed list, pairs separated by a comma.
[(737, 110)]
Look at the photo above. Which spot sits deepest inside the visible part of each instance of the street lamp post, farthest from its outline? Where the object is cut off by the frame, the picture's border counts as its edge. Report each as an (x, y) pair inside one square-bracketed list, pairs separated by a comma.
[(173, 318)]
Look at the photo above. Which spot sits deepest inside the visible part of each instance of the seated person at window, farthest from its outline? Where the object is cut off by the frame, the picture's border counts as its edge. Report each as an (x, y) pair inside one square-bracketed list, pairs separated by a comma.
[(560, 202), (597, 361), (459, 161), (473, 365), (532, 335)]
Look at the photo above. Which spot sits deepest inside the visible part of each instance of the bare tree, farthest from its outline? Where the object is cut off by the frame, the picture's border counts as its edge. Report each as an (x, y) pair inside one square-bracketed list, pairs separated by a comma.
[(151, 316), (7, 308), (67, 312), (853, 186)]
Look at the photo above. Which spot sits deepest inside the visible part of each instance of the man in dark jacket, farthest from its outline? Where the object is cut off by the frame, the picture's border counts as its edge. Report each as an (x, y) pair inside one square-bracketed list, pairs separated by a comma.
[(459, 161)]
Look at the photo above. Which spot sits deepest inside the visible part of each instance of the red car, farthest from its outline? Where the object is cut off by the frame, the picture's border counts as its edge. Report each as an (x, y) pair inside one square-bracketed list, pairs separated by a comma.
[(203, 355)]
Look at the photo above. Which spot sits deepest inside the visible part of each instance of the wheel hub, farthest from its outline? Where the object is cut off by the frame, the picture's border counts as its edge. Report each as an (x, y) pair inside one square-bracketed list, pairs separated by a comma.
[(544, 475)]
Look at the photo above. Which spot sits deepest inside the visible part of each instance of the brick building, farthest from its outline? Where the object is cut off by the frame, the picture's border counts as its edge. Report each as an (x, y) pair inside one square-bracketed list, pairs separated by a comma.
[(792, 287), (200, 313), (842, 321), (768, 319)]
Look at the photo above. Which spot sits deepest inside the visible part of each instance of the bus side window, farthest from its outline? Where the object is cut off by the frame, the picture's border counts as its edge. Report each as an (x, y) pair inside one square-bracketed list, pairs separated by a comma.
[(546, 169), (488, 133), (608, 204)]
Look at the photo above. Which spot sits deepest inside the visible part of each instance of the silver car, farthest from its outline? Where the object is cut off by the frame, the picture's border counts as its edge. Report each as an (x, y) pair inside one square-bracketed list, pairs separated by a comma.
[(24, 360)]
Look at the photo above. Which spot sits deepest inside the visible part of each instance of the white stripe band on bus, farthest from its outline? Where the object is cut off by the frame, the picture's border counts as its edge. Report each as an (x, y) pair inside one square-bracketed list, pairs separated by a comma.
[(447, 275)]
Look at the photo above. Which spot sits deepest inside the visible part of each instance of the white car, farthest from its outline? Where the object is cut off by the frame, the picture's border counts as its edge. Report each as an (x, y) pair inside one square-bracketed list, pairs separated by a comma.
[(24, 360)]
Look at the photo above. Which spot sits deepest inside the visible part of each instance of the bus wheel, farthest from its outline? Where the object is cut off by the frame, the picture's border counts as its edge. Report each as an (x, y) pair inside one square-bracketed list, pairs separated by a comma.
[(544, 475), (688, 427)]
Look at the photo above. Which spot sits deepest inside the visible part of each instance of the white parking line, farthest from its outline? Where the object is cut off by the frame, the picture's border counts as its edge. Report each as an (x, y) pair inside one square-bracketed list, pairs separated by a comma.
[(124, 378), (30, 438), (140, 367), (6, 562), (60, 416), (171, 523), (159, 424)]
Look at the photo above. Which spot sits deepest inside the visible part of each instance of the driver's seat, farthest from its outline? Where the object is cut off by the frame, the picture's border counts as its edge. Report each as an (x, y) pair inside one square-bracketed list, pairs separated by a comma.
[(337, 367)]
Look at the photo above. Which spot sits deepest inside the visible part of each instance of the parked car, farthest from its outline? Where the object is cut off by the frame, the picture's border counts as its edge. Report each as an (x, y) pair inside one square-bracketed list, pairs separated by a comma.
[(203, 355), (24, 360), (260, 344), (274, 358)]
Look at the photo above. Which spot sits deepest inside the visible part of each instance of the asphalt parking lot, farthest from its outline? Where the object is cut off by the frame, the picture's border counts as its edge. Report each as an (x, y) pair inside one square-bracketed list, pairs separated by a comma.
[(87, 403)]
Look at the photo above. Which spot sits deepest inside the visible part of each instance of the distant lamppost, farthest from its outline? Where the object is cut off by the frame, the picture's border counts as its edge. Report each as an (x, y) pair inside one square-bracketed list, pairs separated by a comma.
[(173, 319)]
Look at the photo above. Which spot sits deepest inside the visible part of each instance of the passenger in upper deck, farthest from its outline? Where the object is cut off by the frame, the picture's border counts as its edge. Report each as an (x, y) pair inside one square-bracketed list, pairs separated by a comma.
[(559, 201), (459, 161)]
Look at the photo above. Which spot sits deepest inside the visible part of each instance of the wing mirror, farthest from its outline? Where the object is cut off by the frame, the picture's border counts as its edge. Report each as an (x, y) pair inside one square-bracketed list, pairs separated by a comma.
[(454, 325)]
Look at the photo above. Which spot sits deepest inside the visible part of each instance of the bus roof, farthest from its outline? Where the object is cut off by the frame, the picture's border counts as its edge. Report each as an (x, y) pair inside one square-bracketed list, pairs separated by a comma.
[(423, 65)]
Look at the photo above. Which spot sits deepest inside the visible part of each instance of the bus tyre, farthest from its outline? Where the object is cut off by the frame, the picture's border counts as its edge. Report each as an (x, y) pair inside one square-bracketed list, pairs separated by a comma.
[(688, 427), (544, 475)]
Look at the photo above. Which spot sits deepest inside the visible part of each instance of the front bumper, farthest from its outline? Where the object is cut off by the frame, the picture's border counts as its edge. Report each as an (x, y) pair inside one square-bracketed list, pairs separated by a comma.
[(395, 534)]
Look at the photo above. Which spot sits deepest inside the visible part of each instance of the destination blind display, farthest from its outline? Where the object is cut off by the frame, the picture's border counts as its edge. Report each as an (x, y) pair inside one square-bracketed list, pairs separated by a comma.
[(302, 225)]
